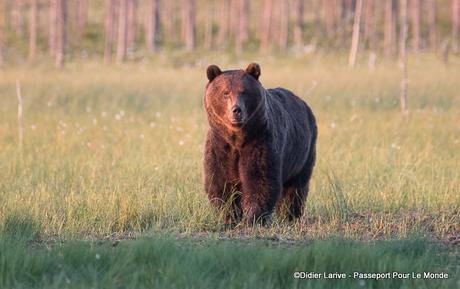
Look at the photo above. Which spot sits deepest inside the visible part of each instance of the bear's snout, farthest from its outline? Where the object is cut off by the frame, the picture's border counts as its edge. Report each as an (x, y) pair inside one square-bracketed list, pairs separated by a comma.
[(237, 114)]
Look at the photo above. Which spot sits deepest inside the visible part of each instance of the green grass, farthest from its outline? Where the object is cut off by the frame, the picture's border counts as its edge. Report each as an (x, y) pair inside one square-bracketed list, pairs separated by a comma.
[(112, 153), (168, 262)]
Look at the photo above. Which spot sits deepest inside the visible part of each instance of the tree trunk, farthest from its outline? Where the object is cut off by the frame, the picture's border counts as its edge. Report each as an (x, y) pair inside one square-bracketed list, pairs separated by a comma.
[(243, 25), (370, 23), (224, 27), (415, 9), (330, 15), (356, 30), (109, 30), (432, 8), (403, 55), (82, 14), (33, 29), (170, 20), (283, 24), (345, 20), (299, 23), (189, 22), (2, 29), (455, 22), (122, 41), (131, 24), (18, 17), (266, 26), (317, 9), (61, 36), (52, 25), (152, 28), (234, 18), (389, 28), (208, 33)]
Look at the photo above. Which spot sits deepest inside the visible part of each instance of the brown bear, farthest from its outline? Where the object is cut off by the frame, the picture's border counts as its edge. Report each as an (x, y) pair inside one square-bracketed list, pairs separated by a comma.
[(260, 148)]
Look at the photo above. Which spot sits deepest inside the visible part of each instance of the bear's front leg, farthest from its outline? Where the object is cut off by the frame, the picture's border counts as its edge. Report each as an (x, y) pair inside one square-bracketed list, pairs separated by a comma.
[(260, 175), (220, 180)]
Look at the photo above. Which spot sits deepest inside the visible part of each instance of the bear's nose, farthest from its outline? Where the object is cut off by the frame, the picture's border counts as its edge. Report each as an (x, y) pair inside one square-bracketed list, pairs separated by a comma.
[(236, 111)]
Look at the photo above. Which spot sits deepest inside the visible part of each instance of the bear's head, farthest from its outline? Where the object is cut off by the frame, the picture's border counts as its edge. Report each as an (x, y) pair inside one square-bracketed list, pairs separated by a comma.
[(234, 97)]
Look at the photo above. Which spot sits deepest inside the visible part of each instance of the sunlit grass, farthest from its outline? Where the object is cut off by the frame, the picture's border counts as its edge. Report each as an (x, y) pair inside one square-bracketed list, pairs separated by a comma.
[(118, 151)]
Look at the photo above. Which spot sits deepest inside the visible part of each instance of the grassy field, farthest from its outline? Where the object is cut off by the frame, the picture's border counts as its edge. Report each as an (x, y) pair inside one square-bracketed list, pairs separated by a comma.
[(115, 154)]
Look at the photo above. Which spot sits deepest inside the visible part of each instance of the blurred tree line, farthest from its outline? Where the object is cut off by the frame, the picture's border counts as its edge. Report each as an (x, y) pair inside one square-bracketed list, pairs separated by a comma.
[(116, 29)]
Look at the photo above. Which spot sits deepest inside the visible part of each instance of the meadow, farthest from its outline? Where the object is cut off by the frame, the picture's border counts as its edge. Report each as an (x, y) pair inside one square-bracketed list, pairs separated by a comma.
[(108, 183)]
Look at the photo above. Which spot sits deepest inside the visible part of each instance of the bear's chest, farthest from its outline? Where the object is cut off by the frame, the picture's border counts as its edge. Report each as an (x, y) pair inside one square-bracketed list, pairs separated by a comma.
[(233, 158)]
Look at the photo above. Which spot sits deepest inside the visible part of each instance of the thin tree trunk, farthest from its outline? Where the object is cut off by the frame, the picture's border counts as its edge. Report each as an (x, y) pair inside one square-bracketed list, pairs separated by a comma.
[(432, 10), (389, 28), (345, 20), (370, 23), (189, 24), (131, 23), (330, 15), (317, 8), (109, 25), (234, 18), (152, 28), (170, 20), (116, 24), (79, 15), (356, 30), (208, 35), (122, 30), (33, 29), (299, 23), (283, 25), (415, 9), (61, 36), (224, 27), (2, 28), (266, 25), (18, 17), (242, 34), (403, 55), (52, 25), (82, 15), (455, 22)]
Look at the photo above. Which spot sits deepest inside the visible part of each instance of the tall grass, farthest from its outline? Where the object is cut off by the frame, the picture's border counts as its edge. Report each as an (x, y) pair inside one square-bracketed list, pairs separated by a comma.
[(118, 151)]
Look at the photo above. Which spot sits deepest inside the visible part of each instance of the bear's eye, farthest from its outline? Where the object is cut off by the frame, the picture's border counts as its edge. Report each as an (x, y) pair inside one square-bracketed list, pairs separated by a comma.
[(226, 94)]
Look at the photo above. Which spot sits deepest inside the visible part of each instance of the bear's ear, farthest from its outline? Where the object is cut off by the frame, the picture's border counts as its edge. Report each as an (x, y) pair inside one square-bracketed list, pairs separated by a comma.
[(254, 70), (213, 71)]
